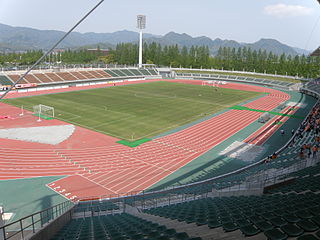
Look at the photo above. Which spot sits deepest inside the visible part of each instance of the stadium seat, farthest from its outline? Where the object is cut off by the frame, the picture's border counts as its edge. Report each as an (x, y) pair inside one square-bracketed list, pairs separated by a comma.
[(292, 230), (275, 234), (316, 220), (307, 237), (249, 230), (307, 225), (229, 226)]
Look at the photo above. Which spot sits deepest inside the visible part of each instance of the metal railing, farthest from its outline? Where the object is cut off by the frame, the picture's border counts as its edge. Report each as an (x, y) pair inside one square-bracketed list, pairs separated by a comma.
[(5, 69), (28, 225), (262, 81), (240, 72)]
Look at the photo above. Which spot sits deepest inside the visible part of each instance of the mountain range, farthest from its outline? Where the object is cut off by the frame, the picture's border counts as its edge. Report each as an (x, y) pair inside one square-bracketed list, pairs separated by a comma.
[(23, 38)]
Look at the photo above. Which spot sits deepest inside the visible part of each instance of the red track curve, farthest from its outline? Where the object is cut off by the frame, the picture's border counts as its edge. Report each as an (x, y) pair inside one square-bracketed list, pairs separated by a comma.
[(102, 167)]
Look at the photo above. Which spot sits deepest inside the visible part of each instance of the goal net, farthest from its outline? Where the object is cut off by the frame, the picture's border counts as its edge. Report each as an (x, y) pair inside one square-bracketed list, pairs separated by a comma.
[(43, 110)]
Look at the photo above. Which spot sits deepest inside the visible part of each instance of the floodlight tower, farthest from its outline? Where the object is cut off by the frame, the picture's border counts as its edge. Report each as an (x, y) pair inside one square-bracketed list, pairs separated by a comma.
[(141, 24)]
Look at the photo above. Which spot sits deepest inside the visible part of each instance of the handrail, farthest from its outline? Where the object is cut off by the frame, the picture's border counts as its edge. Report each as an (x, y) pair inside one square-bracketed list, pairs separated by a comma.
[(236, 78), (239, 72), (34, 221)]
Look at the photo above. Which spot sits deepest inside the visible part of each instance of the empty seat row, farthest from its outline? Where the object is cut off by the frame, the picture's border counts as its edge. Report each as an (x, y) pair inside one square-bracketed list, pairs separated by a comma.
[(119, 226), (287, 215)]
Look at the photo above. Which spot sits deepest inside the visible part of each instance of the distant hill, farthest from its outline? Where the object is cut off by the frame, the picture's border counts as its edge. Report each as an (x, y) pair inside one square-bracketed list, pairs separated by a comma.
[(13, 38), (269, 45), (22, 38)]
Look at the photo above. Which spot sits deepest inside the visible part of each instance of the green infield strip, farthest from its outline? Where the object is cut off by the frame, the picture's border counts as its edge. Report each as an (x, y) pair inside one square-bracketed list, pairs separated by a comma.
[(135, 143), (42, 116), (258, 110)]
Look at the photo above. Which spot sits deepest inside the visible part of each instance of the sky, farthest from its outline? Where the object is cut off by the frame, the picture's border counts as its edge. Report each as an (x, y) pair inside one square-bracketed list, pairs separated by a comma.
[(293, 22)]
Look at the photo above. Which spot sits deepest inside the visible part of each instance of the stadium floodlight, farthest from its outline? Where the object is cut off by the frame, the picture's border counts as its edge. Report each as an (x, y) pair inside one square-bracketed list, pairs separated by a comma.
[(141, 24)]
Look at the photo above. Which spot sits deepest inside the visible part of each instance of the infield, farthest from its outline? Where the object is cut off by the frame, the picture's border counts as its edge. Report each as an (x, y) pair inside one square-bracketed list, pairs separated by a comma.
[(137, 111)]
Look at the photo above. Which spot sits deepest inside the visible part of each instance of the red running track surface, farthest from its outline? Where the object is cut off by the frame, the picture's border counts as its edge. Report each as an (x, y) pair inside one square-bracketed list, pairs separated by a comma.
[(106, 168)]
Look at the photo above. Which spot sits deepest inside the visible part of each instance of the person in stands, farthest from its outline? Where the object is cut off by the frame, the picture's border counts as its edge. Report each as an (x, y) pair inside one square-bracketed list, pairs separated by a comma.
[(301, 155), (314, 151)]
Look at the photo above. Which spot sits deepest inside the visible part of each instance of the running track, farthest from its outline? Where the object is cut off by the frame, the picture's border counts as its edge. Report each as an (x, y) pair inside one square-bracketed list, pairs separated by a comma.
[(112, 169)]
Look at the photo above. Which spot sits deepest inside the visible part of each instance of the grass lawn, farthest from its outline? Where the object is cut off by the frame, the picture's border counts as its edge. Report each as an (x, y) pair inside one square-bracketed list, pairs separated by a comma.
[(284, 79), (135, 111)]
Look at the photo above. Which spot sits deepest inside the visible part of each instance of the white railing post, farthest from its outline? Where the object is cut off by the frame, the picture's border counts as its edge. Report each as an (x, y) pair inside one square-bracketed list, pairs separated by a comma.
[(2, 231)]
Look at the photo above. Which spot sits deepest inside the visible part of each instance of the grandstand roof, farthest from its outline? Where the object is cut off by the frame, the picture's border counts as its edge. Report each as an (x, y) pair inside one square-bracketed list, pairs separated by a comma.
[(316, 52)]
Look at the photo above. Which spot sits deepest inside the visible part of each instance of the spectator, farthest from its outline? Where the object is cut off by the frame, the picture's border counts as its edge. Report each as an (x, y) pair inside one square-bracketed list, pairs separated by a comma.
[(301, 154), (292, 132), (309, 153), (314, 151)]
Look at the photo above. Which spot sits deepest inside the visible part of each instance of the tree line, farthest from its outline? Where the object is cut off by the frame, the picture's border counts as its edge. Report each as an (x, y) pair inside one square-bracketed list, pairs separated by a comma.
[(226, 58)]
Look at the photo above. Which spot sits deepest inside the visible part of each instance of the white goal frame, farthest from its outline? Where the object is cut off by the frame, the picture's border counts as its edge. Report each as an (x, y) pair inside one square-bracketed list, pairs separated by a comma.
[(43, 110)]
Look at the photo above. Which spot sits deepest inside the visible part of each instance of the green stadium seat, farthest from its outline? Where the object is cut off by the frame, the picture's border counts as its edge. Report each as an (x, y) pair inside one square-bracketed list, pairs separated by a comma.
[(229, 227), (181, 236), (307, 237), (119, 72), (268, 215), (137, 236), (214, 224), (136, 72), (5, 80), (315, 210), (154, 234), (201, 221), (255, 219), (278, 221), (170, 232), (110, 72), (304, 214), (307, 225), (249, 230), (161, 228), (291, 218), (163, 238), (292, 230), (243, 222), (316, 220), (264, 226), (275, 234)]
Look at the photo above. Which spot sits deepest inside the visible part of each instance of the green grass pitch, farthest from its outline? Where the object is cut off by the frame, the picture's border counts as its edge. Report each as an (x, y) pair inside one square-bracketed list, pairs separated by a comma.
[(135, 111)]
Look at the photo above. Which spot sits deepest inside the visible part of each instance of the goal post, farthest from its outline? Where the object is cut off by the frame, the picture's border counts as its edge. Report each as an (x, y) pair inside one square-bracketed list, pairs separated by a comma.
[(43, 111)]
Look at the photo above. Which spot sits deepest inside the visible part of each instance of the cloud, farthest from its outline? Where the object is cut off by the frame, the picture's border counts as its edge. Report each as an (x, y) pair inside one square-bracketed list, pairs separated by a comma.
[(282, 10)]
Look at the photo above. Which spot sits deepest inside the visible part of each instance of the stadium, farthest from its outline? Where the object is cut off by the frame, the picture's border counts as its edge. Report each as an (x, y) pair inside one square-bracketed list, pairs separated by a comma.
[(147, 152)]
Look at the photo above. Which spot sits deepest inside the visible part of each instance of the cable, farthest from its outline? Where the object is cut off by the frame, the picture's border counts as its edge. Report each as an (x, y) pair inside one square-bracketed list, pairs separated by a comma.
[(49, 51), (312, 31)]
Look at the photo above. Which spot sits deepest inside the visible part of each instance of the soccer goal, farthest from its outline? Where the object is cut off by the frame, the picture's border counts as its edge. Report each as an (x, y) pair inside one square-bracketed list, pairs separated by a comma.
[(43, 111)]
